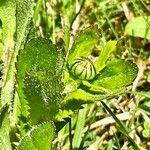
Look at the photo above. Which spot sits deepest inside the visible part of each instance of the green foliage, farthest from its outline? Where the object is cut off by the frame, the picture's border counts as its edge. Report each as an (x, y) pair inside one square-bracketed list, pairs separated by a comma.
[(101, 62), (39, 79), (111, 76), (83, 44), (79, 128), (38, 138), (20, 15), (8, 19), (146, 106), (13, 16), (5, 143), (24, 13), (139, 27), (47, 88), (116, 74), (146, 131), (84, 96), (68, 8), (37, 10), (7, 16)]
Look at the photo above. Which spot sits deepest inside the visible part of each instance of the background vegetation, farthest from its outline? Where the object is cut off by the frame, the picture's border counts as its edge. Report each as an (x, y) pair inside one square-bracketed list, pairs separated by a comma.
[(98, 129), (93, 126)]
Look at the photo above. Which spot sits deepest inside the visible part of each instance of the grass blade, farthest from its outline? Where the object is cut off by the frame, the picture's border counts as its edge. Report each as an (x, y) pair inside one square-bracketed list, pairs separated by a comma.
[(79, 128), (123, 129)]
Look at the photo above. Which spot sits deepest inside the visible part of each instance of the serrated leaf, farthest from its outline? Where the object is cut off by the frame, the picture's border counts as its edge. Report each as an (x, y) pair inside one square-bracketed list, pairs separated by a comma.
[(22, 12), (5, 143), (39, 69), (83, 44), (139, 27), (38, 138), (118, 73)]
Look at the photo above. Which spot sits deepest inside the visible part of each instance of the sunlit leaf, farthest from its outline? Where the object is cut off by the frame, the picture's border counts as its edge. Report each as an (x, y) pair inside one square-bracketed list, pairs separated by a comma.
[(139, 27), (146, 131), (5, 143), (104, 55), (83, 44), (77, 138), (17, 17), (118, 73), (8, 19), (39, 76)]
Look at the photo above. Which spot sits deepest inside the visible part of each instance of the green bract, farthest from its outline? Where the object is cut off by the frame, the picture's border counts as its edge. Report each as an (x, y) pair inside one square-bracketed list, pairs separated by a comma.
[(83, 68)]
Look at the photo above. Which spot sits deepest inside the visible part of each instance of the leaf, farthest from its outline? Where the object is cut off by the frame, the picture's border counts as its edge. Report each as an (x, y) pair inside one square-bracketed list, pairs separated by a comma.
[(146, 131), (146, 105), (139, 27), (79, 97), (110, 145), (39, 74), (76, 99), (7, 16), (23, 12), (66, 38), (100, 63), (38, 138), (83, 44), (110, 82), (5, 143), (118, 73)]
